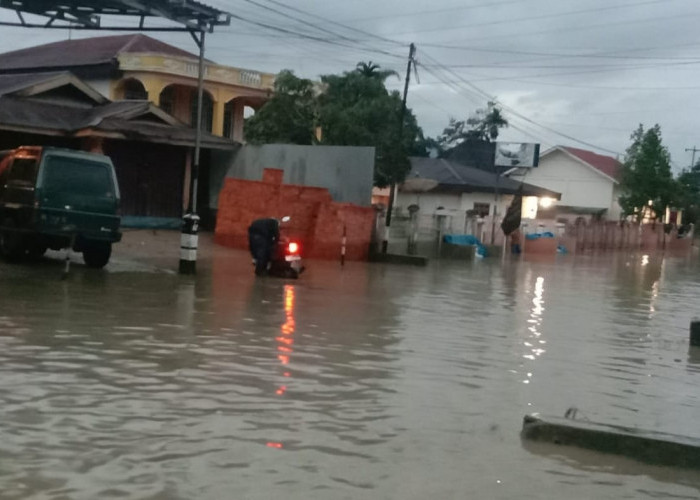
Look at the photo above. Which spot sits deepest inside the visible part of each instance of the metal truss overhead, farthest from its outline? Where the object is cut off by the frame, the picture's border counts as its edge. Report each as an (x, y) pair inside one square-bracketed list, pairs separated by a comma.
[(192, 16)]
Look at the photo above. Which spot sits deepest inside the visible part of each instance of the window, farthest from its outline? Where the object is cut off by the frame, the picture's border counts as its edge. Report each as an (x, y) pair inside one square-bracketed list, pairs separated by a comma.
[(167, 100), (228, 119), (482, 209), (73, 175), (23, 171), (133, 89), (207, 111)]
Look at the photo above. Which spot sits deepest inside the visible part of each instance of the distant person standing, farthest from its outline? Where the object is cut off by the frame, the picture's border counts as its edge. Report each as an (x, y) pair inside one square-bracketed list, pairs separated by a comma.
[(263, 235)]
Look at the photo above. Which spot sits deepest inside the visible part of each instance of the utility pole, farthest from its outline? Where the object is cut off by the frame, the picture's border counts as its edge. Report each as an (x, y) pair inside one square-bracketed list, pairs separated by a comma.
[(392, 189), (189, 238), (694, 150)]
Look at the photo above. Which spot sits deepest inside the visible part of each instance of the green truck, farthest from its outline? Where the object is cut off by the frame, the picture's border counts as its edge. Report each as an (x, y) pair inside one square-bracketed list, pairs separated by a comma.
[(58, 198)]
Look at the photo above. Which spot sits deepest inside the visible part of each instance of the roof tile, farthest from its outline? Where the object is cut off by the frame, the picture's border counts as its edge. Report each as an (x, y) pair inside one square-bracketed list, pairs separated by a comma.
[(606, 164), (85, 52)]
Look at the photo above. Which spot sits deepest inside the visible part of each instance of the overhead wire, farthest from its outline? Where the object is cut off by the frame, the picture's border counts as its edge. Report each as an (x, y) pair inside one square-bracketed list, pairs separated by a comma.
[(535, 18), (462, 85), (512, 111)]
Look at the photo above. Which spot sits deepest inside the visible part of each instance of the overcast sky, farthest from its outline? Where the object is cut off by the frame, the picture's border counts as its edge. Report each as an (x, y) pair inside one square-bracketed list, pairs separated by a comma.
[(565, 71)]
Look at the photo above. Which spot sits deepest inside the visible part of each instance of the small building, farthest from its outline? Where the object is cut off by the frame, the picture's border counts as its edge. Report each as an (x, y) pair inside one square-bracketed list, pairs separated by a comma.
[(138, 67), (588, 183), (449, 197)]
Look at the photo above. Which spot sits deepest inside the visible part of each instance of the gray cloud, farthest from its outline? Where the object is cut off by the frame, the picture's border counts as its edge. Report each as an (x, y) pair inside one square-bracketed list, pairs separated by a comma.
[(643, 64)]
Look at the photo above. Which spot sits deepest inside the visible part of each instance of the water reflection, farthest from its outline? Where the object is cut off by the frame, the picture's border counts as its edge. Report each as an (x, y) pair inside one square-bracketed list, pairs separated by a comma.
[(534, 343), (368, 382)]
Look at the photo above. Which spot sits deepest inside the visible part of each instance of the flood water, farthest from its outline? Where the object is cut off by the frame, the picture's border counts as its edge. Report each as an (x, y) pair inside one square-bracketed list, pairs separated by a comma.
[(374, 382)]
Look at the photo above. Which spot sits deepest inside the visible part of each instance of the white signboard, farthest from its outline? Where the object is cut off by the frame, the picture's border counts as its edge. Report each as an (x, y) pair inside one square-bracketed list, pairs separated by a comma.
[(517, 154)]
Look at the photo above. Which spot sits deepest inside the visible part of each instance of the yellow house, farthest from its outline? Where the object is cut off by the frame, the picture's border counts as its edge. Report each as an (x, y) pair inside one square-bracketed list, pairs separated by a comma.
[(141, 67)]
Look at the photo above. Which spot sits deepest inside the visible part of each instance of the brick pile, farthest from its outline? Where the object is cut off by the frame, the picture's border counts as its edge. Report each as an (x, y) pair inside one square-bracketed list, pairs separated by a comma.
[(317, 222)]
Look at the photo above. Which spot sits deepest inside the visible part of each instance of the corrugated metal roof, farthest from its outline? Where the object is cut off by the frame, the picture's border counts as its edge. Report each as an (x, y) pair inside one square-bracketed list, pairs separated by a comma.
[(85, 52), (606, 164), (136, 120), (15, 82), (452, 176)]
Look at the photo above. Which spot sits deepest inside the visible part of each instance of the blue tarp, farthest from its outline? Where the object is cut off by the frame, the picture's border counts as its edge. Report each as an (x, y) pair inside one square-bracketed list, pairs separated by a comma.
[(466, 240), (535, 236)]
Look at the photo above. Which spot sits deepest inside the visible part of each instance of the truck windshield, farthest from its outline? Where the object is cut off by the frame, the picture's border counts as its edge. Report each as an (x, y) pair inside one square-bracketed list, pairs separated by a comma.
[(65, 174)]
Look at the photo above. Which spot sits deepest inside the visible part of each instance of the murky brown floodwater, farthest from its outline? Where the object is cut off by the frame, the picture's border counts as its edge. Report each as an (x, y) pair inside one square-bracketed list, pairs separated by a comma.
[(374, 382)]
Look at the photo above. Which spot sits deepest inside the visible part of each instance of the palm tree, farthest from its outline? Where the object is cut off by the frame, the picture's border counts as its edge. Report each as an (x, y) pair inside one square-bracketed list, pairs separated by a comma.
[(486, 122), (493, 120), (371, 70)]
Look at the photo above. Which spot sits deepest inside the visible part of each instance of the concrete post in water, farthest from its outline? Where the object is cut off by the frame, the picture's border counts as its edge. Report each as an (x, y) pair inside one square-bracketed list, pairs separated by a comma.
[(188, 244), (342, 248), (413, 229), (695, 332)]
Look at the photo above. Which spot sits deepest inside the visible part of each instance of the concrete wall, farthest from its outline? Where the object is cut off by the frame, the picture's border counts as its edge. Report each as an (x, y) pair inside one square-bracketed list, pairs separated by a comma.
[(454, 204), (579, 184), (346, 172), (102, 85)]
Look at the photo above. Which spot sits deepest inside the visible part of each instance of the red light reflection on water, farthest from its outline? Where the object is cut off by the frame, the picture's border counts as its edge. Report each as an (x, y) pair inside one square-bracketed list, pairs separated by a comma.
[(272, 444), (285, 340)]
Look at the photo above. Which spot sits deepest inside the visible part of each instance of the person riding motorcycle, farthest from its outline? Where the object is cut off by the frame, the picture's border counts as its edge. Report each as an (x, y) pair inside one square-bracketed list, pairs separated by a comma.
[(263, 235)]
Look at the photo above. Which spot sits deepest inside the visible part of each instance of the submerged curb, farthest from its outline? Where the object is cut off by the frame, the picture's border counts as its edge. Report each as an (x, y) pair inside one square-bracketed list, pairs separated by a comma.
[(651, 447)]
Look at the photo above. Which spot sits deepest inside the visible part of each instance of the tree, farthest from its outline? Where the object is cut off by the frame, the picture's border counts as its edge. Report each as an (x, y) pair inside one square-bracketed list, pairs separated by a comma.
[(487, 122), (647, 184), (357, 110), (483, 125), (289, 117), (371, 70), (689, 193), (353, 109)]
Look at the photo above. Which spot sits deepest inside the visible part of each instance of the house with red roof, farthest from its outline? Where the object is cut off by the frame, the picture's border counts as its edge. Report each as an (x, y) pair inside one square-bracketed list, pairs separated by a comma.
[(588, 183)]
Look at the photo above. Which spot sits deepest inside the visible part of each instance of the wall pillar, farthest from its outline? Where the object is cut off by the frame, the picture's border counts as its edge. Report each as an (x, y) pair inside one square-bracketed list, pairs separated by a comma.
[(217, 126)]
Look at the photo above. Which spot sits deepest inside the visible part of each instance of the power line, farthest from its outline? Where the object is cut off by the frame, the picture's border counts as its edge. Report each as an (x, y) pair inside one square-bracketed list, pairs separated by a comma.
[(567, 55), (533, 18), (516, 113), (578, 28)]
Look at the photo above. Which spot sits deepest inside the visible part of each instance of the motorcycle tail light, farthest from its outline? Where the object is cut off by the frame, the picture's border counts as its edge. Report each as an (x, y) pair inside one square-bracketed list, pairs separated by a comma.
[(293, 248)]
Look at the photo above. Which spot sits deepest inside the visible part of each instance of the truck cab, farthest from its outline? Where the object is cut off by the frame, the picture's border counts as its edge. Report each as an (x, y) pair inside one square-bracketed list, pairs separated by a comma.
[(58, 198)]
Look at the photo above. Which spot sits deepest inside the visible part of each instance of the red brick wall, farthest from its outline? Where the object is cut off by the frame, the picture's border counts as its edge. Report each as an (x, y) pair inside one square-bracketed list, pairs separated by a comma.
[(316, 220)]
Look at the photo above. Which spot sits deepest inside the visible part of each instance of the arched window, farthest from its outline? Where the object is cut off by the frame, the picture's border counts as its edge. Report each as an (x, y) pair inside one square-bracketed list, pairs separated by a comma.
[(134, 89), (207, 110), (167, 99)]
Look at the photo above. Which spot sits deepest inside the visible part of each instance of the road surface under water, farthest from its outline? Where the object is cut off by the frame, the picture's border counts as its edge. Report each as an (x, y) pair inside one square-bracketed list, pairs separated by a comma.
[(372, 382)]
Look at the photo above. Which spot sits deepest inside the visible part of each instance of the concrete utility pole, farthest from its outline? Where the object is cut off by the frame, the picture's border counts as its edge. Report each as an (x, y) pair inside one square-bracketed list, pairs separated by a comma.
[(392, 189), (694, 150), (190, 224)]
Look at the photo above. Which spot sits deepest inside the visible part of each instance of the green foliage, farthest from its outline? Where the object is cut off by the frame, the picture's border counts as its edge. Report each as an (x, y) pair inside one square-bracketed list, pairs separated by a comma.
[(689, 193), (357, 110), (354, 109), (289, 117), (647, 183), (483, 125), (371, 70)]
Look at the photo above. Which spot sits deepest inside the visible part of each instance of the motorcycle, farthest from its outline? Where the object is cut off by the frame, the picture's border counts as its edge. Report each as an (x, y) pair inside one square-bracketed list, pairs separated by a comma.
[(284, 259)]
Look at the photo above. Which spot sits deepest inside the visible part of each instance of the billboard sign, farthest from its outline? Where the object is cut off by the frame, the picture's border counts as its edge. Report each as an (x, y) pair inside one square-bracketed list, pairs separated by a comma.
[(517, 154)]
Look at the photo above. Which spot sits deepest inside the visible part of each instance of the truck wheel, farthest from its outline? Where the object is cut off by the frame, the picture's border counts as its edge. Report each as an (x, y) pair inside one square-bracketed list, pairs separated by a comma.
[(11, 240), (97, 253)]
